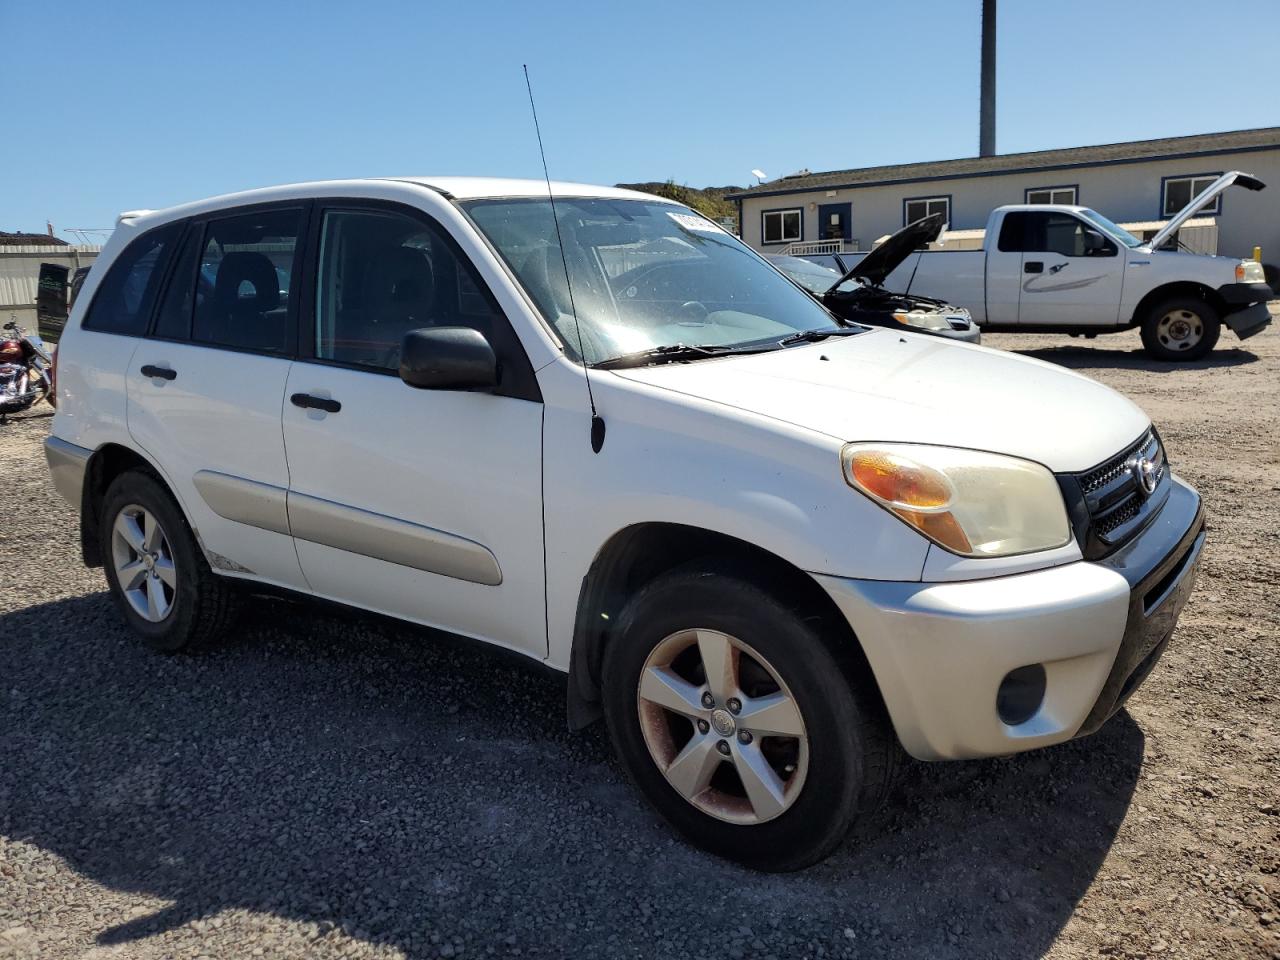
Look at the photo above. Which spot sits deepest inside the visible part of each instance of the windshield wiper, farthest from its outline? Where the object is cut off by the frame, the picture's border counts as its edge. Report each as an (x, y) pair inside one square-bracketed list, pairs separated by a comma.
[(813, 336), (672, 352)]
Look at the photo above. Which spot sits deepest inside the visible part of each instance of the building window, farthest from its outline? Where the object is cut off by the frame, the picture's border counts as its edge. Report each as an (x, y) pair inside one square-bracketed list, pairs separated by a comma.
[(1063, 195), (1179, 191), (780, 226), (921, 207)]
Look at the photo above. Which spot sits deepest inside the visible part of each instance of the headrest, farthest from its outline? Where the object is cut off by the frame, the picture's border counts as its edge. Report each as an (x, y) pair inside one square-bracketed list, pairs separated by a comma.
[(400, 275), (246, 266)]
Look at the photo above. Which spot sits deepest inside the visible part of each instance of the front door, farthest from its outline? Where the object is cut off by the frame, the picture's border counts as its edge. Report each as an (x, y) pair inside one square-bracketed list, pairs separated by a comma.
[(423, 504), (835, 221), (1070, 273)]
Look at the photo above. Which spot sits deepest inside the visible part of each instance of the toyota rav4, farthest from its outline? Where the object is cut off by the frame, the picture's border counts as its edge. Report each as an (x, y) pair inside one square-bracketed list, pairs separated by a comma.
[(769, 547)]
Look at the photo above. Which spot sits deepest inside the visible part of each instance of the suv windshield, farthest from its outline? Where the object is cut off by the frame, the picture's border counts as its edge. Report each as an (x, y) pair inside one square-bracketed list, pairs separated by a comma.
[(1120, 233), (645, 275)]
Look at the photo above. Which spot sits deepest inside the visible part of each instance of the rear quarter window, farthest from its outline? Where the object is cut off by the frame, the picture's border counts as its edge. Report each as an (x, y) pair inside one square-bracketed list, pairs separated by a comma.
[(123, 301)]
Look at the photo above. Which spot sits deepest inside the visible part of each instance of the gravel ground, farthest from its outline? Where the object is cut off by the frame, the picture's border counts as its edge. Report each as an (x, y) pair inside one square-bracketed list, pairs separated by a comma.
[(327, 786)]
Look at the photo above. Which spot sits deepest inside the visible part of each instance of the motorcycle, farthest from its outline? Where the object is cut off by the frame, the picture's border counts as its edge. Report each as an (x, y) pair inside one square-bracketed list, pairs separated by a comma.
[(26, 367)]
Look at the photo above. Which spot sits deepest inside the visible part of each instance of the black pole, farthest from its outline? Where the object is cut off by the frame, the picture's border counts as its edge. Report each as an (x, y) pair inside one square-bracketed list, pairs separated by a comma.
[(987, 122)]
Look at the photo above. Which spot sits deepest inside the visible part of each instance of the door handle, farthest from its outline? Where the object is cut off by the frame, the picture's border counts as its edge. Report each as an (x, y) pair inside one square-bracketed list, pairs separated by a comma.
[(164, 373), (1033, 266), (307, 402)]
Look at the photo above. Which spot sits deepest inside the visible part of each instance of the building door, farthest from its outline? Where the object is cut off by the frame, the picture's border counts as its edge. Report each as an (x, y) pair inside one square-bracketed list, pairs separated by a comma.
[(835, 221)]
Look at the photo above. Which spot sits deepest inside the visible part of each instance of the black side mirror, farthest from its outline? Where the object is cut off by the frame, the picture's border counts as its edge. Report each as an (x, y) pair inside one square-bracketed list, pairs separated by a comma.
[(1096, 245), (448, 358)]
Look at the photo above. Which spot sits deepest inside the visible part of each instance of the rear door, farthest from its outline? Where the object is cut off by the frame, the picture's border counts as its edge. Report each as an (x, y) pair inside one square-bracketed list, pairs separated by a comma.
[(1004, 269), (206, 387), (424, 504)]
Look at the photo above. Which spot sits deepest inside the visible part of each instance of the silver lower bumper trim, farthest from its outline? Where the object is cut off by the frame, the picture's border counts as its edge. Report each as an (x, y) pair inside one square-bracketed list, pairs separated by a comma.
[(67, 466)]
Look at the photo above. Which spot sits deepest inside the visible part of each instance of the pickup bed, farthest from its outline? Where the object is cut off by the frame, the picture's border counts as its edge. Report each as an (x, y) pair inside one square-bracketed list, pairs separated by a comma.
[(1067, 269)]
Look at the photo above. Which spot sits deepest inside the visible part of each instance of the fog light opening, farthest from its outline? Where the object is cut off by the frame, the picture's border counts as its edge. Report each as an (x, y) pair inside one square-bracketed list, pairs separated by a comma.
[(1020, 695)]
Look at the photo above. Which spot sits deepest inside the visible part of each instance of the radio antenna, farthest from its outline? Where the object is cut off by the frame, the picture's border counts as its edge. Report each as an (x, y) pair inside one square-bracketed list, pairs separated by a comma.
[(597, 422)]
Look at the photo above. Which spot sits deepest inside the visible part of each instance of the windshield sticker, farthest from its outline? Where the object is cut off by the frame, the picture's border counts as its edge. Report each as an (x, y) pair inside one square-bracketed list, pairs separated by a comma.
[(692, 222)]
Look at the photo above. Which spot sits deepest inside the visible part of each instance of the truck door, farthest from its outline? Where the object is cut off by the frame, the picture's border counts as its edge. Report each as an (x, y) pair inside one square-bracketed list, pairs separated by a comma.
[(1072, 273)]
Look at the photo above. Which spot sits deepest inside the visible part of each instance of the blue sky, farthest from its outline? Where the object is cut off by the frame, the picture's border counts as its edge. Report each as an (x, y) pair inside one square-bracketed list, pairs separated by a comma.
[(146, 104)]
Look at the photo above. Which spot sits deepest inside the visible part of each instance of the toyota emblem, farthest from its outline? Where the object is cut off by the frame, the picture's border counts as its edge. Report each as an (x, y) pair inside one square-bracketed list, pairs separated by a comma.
[(1144, 471)]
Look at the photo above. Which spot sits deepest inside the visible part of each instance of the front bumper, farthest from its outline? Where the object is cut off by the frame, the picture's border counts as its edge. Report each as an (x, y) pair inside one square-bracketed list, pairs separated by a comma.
[(939, 651), (971, 334), (1244, 323), (1245, 293)]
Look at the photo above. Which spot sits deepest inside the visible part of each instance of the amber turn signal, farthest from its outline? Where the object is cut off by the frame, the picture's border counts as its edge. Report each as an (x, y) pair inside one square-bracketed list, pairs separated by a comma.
[(915, 493), (899, 481)]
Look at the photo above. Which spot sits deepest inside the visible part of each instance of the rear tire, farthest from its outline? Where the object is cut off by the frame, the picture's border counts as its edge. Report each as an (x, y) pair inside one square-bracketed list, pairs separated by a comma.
[(157, 574), (1181, 328), (829, 754)]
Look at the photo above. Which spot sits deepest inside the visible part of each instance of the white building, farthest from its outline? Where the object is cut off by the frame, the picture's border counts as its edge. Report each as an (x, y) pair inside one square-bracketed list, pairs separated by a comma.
[(1143, 181)]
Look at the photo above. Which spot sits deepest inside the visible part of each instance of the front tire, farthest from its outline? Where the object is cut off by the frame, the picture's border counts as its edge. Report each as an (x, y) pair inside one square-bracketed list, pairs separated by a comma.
[(1181, 328), (157, 574), (734, 718)]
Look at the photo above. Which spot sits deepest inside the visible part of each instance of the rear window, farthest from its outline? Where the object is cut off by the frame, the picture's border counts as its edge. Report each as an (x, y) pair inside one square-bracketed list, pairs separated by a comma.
[(123, 301)]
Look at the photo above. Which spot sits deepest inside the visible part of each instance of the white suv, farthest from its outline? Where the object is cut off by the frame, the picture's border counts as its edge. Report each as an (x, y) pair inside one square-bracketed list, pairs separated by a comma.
[(769, 547)]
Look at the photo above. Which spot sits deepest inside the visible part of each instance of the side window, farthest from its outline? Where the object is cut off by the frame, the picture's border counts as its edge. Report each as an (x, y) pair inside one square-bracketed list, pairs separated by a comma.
[(1014, 232), (1068, 196), (123, 302), (1179, 191), (243, 282), (1071, 237), (173, 319), (382, 274), (781, 226), (1044, 232), (1063, 235), (918, 208)]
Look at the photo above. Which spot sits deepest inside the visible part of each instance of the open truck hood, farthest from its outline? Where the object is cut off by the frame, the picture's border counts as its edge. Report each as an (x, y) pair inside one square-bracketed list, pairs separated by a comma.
[(1203, 199), (890, 386), (884, 259)]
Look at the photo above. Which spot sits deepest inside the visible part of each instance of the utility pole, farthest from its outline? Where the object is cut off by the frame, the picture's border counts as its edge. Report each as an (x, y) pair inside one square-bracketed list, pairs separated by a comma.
[(987, 119)]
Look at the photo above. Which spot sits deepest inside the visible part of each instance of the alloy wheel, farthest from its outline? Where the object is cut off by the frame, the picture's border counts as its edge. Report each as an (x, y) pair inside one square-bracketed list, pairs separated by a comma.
[(722, 726), (143, 563)]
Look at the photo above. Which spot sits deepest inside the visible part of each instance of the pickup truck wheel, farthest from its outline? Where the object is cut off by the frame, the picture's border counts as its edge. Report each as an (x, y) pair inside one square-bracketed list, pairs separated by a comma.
[(158, 577), (732, 715), (1182, 328)]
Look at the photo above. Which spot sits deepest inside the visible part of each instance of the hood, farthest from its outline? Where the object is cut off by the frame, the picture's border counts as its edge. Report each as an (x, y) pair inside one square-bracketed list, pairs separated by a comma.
[(1203, 199), (886, 258), (889, 386)]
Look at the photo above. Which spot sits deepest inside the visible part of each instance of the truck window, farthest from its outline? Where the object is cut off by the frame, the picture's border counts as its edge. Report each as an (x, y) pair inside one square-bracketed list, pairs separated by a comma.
[(1042, 231), (1013, 232)]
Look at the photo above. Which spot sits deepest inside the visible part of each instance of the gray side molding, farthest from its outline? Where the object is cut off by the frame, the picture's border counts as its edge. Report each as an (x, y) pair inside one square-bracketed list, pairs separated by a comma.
[(244, 501), (67, 466), (395, 541)]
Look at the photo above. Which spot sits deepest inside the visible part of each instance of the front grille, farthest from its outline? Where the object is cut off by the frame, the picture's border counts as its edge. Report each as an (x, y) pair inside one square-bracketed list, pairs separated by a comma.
[(1117, 519), (1115, 502)]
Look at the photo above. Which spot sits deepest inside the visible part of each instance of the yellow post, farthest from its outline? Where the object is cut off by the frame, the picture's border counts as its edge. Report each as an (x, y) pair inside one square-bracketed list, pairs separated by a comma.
[(1257, 254)]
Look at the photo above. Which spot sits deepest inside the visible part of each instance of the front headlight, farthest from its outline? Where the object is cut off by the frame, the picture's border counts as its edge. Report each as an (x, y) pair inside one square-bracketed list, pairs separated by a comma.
[(923, 320), (972, 503), (1250, 271)]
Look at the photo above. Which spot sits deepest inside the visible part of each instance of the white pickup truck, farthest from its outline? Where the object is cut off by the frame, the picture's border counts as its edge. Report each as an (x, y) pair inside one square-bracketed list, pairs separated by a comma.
[(1067, 269)]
